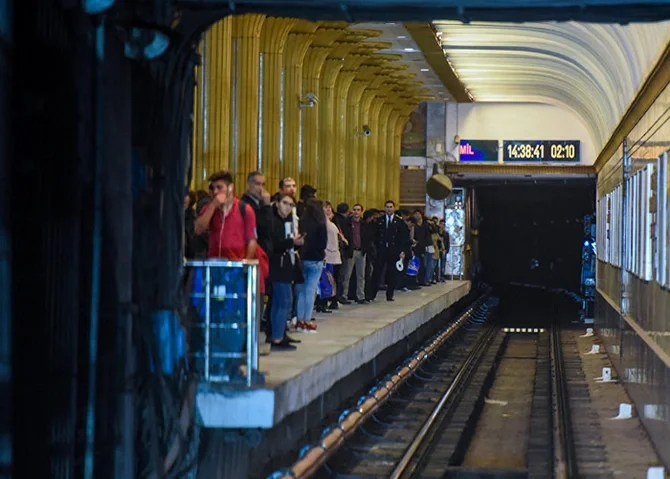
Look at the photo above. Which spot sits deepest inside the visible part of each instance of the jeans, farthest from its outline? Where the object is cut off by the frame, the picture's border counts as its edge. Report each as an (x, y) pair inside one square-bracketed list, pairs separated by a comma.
[(282, 299), (307, 291), (430, 267), (443, 266)]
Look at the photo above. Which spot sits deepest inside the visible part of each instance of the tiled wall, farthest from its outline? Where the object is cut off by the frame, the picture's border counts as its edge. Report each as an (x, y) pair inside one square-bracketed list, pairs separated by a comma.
[(646, 375)]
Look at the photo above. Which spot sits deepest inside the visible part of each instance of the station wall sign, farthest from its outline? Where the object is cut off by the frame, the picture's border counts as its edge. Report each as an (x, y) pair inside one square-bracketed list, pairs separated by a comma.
[(478, 150)]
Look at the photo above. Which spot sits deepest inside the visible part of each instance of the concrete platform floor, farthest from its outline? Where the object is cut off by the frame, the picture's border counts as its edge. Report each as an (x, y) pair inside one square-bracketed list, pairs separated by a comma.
[(344, 341)]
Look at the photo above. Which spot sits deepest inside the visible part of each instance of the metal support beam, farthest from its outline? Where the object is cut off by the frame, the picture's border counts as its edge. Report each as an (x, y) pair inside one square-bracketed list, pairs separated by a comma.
[(624, 303)]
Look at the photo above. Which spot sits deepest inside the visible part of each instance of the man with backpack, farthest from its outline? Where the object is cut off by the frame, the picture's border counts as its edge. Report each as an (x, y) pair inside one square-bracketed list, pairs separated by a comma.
[(232, 235), (231, 223)]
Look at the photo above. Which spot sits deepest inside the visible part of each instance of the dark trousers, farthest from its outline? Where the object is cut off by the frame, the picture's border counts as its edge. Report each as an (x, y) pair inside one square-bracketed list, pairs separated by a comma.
[(385, 260), (369, 268)]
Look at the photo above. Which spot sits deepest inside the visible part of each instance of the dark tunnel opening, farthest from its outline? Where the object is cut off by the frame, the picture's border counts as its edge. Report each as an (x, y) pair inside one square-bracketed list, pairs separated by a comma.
[(533, 233)]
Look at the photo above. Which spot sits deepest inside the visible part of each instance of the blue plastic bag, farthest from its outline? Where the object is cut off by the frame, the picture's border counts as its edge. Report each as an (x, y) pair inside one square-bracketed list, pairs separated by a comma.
[(413, 266), (327, 287)]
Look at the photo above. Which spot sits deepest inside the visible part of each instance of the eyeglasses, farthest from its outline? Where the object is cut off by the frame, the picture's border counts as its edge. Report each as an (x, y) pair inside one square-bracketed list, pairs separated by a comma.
[(290, 205)]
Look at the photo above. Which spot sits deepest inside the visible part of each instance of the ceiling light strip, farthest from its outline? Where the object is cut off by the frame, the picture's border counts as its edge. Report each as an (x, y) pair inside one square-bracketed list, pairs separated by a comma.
[(424, 37)]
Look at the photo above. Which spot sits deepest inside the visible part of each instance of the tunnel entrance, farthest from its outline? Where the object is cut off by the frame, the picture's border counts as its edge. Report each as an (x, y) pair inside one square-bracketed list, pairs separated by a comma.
[(532, 233)]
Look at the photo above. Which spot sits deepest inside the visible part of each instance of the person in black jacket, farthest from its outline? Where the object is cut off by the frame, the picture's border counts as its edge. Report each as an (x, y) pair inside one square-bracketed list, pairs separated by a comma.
[(369, 248), (259, 199), (283, 264), (343, 271), (313, 228), (390, 240)]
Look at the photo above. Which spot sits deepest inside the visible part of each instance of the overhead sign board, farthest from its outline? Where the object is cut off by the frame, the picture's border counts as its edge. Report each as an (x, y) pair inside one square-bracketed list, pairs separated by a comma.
[(541, 151), (478, 150)]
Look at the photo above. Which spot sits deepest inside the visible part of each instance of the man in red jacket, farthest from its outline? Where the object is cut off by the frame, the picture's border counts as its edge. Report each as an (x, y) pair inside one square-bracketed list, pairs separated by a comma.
[(232, 234)]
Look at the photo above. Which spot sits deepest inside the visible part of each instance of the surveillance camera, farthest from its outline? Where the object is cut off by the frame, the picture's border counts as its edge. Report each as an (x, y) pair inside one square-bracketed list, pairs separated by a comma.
[(366, 130), (310, 100)]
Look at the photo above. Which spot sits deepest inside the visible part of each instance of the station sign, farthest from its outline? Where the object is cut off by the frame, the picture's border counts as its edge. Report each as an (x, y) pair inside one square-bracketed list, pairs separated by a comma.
[(478, 151)]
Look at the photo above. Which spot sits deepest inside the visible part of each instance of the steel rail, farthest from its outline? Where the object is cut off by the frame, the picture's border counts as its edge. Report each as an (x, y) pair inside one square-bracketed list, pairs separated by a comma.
[(404, 465), (313, 457), (564, 418)]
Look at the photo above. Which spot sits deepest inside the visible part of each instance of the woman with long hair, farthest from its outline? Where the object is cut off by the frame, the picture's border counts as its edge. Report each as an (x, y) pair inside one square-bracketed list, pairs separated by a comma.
[(312, 253), (332, 257), (283, 266)]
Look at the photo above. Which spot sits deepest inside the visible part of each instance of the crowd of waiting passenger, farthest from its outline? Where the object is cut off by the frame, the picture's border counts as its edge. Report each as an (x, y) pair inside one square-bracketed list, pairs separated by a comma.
[(309, 250)]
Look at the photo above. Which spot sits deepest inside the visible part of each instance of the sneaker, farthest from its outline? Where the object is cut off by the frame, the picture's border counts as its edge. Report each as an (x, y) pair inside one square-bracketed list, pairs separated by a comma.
[(306, 327)]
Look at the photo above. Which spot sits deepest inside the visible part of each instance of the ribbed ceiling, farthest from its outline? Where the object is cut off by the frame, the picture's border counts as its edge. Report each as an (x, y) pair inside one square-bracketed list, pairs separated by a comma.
[(594, 70)]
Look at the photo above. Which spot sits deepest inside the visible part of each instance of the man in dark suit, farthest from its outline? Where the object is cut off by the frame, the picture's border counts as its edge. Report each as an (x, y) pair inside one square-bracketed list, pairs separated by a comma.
[(390, 243)]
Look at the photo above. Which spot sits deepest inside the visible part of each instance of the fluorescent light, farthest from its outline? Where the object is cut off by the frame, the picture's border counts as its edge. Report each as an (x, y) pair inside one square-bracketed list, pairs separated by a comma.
[(402, 36), (409, 49), (425, 70)]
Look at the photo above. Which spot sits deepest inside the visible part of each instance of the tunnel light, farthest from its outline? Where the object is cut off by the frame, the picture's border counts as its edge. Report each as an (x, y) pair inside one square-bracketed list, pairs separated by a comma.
[(94, 7)]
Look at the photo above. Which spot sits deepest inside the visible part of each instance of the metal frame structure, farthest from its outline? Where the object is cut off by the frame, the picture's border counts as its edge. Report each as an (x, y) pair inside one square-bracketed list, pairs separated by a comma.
[(251, 314)]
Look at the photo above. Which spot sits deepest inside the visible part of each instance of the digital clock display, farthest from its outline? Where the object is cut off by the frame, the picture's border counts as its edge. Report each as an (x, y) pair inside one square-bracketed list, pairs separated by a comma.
[(532, 150)]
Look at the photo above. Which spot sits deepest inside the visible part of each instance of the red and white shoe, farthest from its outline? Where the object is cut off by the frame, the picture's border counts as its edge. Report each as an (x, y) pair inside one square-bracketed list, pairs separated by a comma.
[(306, 326)]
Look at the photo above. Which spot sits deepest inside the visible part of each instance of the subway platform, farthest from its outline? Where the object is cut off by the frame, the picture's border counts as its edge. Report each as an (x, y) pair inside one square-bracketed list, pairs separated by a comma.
[(346, 343)]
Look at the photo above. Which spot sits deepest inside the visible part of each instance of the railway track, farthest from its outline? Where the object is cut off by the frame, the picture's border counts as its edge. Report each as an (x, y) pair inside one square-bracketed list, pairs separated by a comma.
[(486, 403)]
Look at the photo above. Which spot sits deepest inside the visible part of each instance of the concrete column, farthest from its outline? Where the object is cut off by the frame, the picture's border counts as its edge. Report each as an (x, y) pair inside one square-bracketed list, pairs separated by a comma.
[(273, 40), (342, 134), (373, 152), (297, 44), (367, 98), (352, 160), (213, 103), (383, 172), (331, 69), (393, 156), (247, 30), (319, 50)]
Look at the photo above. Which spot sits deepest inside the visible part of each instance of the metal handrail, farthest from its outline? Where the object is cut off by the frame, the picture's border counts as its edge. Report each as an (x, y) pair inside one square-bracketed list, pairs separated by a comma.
[(403, 465)]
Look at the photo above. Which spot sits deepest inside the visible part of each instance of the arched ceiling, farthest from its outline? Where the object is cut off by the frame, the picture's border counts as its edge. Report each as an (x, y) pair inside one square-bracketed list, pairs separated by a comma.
[(594, 70)]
